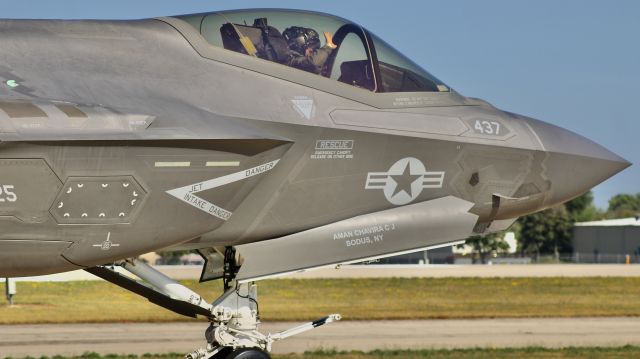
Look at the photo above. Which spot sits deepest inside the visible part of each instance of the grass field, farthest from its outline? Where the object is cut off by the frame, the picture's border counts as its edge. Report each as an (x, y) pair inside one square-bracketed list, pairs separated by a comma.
[(542, 353), (355, 299)]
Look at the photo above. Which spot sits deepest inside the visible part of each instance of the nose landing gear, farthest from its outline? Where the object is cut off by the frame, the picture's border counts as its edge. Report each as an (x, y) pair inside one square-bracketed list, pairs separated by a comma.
[(234, 317), (235, 326)]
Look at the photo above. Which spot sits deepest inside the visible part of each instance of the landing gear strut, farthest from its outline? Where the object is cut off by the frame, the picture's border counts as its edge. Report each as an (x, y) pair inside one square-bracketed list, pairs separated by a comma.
[(234, 317), (235, 325)]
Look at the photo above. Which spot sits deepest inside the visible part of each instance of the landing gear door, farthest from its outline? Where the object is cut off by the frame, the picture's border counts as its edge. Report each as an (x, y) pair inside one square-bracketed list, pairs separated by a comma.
[(213, 267)]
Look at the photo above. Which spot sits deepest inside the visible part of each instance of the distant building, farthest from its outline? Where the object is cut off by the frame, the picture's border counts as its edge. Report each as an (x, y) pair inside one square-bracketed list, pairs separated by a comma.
[(608, 241)]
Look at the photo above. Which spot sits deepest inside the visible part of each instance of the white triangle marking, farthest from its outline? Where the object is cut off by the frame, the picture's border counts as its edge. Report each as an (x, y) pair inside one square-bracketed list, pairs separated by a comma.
[(304, 107)]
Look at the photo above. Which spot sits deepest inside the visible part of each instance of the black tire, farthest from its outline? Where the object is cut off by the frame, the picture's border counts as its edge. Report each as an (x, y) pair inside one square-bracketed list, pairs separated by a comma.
[(222, 354), (248, 353)]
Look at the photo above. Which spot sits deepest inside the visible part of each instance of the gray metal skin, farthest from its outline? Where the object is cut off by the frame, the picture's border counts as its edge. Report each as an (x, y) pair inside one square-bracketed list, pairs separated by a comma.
[(155, 91)]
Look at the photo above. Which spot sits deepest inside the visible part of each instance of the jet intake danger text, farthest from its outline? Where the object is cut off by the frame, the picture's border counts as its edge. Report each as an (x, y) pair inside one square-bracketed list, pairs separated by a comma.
[(188, 193), (206, 206), (365, 235), (260, 169)]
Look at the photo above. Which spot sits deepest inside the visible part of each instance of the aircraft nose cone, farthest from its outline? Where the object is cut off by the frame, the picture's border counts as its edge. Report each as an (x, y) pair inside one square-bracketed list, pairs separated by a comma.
[(574, 164)]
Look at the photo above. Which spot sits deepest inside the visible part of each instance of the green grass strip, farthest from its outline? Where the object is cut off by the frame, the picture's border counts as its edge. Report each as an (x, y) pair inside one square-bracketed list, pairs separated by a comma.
[(355, 299)]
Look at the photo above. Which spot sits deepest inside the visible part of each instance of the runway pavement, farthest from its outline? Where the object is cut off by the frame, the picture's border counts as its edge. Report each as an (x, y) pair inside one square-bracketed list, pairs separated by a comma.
[(473, 271), (402, 271), (69, 339)]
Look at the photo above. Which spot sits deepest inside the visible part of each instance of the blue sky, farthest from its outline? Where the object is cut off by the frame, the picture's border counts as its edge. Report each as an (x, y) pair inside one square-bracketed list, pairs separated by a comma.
[(574, 63)]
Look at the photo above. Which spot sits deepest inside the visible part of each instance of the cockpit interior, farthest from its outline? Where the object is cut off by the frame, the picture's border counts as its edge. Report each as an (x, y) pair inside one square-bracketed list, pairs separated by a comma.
[(322, 44)]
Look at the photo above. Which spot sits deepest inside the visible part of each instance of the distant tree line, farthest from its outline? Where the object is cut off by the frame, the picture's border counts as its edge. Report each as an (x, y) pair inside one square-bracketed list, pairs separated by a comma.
[(550, 231), (172, 258)]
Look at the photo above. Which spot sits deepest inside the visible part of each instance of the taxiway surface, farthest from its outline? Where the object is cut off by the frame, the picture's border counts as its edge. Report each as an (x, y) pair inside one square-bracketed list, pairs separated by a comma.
[(401, 271), (140, 338)]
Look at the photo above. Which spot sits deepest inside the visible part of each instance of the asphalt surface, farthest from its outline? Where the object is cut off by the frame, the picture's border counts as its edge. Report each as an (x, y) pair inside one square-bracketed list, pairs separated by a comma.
[(72, 339), (403, 271), (473, 271)]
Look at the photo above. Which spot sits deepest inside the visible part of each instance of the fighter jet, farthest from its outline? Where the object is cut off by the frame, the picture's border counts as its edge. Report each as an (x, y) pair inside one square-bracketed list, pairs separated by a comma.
[(270, 141)]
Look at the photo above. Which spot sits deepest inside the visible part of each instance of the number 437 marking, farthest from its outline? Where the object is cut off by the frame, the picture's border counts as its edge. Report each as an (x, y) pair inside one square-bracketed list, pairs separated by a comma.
[(7, 194), (487, 127)]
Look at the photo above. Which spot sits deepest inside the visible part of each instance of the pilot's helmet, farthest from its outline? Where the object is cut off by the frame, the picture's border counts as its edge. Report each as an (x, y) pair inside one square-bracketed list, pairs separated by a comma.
[(301, 38)]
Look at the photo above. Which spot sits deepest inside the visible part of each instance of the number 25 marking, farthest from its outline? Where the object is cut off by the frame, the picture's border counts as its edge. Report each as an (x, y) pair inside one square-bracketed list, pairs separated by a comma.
[(487, 127), (7, 194)]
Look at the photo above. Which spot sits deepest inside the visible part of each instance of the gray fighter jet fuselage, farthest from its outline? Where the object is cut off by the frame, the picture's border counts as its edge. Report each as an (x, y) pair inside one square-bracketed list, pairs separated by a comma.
[(124, 137), (245, 136)]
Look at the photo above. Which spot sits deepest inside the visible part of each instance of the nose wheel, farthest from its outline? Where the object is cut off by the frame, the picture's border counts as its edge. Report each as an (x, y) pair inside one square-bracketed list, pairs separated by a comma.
[(248, 353), (243, 353)]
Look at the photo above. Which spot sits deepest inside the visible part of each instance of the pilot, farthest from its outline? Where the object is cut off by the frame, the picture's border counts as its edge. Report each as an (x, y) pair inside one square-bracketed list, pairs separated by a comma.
[(306, 53)]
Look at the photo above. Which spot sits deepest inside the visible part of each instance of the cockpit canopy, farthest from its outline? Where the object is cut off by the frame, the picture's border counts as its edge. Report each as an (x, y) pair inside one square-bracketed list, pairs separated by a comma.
[(333, 47)]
